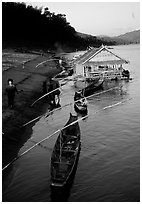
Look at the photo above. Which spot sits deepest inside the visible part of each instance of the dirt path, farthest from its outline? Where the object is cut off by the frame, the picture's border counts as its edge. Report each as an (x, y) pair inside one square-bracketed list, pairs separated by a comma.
[(29, 79)]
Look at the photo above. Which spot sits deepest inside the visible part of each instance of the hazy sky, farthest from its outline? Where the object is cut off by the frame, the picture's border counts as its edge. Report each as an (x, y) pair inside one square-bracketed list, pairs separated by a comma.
[(98, 18)]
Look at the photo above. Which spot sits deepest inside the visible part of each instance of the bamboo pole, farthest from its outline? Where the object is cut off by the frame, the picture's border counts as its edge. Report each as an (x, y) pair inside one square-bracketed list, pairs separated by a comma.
[(95, 94), (59, 130), (46, 61), (44, 96)]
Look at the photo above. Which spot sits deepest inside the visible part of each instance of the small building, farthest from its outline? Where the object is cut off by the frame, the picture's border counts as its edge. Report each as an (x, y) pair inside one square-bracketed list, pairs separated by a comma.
[(99, 62)]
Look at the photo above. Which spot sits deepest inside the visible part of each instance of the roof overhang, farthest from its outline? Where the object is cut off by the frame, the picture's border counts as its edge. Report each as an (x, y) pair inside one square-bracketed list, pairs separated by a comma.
[(107, 62), (120, 60)]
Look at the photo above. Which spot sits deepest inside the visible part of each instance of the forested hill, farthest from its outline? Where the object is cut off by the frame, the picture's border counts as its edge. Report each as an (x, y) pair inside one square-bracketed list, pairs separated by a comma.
[(24, 25)]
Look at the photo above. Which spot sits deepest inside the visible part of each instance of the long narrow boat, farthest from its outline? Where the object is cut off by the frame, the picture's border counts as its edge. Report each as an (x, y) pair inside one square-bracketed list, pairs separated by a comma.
[(81, 82), (65, 153), (80, 102), (92, 87), (80, 106)]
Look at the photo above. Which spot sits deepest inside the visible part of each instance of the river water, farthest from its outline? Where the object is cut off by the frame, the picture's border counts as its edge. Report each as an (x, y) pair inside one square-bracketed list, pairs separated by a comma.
[(108, 168)]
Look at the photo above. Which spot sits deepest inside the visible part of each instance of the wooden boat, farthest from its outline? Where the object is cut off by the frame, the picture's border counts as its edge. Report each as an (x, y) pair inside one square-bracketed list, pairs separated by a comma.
[(92, 87), (65, 153), (62, 194), (80, 106), (81, 82), (80, 102), (88, 84)]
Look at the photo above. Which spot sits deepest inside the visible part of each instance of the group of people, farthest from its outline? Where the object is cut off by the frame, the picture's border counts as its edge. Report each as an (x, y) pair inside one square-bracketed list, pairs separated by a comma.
[(48, 86)]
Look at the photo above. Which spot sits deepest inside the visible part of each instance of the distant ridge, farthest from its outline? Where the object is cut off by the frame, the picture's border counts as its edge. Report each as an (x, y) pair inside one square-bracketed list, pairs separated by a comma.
[(132, 37)]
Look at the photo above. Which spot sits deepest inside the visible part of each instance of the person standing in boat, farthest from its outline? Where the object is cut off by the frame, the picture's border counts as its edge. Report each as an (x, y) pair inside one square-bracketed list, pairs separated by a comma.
[(10, 91), (78, 95)]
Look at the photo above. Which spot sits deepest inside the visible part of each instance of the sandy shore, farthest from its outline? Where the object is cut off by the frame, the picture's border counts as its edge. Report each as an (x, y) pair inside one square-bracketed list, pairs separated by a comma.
[(29, 79)]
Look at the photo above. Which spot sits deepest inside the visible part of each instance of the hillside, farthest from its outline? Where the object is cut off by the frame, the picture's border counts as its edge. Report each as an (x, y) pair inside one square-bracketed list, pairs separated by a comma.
[(47, 31), (127, 38), (96, 41), (131, 37), (41, 29)]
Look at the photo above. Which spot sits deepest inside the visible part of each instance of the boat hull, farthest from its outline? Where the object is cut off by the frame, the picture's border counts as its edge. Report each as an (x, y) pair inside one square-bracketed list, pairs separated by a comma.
[(80, 108), (93, 87), (65, 153), (82, 83), (62, 183)]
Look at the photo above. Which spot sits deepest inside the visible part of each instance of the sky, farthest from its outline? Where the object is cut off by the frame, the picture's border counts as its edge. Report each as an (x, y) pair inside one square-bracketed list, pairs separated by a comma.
[(97, 18)]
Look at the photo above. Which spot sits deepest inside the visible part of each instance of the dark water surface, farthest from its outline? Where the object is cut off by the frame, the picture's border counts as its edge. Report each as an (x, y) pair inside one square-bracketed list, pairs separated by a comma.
[(109, 163)]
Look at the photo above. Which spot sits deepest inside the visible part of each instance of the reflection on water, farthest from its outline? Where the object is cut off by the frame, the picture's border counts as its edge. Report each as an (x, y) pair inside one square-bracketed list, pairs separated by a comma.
[(108, 168)]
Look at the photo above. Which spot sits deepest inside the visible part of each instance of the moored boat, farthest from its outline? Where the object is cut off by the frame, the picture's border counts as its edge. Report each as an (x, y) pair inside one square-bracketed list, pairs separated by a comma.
[(80, 102), (80, 106), (82, 82), (92, 87), (65, 153)]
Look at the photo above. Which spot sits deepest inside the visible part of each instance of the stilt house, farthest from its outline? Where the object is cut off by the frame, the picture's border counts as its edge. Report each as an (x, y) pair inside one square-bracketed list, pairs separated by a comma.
[(99, 61)]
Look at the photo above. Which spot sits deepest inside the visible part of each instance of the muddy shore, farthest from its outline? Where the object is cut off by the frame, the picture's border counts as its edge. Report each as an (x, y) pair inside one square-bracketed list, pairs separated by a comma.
[(29, 80)]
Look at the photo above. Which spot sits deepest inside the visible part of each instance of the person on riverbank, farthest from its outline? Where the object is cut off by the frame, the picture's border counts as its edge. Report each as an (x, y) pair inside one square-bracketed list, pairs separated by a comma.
[(52, 86), (10, 91)]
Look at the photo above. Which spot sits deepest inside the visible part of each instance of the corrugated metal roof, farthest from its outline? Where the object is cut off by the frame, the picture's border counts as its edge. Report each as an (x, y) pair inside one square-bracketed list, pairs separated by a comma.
[(86, 55), (93, 52)]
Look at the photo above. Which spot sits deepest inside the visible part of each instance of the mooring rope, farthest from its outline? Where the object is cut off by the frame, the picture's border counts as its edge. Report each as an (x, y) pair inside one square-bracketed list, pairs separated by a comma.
[(110, 106)]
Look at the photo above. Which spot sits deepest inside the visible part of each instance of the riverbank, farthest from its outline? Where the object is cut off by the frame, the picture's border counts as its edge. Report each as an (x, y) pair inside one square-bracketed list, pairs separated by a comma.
[(28, 79)]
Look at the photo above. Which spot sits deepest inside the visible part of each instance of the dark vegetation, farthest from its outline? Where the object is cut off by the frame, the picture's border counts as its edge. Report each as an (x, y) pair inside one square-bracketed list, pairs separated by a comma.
[(27, 26)]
